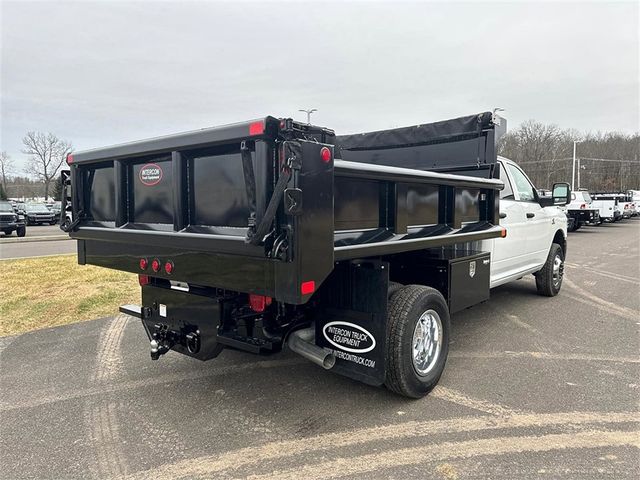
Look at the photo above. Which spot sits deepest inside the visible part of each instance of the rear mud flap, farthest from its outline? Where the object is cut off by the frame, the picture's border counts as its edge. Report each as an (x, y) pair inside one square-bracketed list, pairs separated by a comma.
[(352, 322)]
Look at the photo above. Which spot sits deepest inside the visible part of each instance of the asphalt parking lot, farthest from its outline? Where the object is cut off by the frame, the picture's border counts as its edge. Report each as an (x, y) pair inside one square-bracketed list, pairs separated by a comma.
[(534, 387), (40, 240)]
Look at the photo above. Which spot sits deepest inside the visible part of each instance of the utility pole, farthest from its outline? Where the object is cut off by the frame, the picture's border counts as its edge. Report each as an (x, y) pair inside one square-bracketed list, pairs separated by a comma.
[(309, 112), (578, 173), (573, 175)]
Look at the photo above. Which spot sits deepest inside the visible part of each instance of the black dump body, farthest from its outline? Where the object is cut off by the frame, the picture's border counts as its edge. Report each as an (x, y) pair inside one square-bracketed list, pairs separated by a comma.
[(195, 198), (269, 206)]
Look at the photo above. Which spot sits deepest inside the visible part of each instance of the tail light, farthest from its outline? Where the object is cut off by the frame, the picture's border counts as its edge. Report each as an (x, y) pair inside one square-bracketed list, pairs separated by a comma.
[(143, 264), (144, 280), (155, 265), (69, 159), (583, 206), (259, 302), (168, 267), (256, 128), (307, 287), (325, 155)]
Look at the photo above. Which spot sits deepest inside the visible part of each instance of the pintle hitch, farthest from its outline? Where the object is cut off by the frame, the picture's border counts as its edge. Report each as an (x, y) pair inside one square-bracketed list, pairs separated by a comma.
[(162, 339)]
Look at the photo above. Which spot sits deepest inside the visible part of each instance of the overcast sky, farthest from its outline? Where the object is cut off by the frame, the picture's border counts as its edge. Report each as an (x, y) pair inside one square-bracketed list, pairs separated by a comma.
[(98, 73)]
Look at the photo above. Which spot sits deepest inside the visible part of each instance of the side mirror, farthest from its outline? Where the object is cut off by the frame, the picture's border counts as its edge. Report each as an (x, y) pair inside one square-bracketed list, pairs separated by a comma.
[(561, 194)]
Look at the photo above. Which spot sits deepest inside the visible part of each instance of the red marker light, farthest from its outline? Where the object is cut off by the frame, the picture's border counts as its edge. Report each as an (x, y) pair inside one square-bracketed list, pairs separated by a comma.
[(308, 287), (168, 267), (155, 265), (256, 128), (503, 233), (259, 302), (144, 280), (325, 155), (69, 159), (143, 264)]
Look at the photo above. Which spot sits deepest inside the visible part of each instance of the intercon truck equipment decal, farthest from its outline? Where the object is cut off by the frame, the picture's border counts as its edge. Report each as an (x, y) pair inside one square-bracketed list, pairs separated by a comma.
[(349, 337), (150, 174)]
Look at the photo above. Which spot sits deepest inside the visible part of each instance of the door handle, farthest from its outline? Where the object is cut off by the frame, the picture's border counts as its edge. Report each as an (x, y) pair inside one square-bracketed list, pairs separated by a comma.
[(530, 215), (503, 215)]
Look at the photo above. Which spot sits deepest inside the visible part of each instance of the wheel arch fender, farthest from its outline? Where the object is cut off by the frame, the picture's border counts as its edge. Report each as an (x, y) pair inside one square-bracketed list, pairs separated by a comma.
[(560, 238)]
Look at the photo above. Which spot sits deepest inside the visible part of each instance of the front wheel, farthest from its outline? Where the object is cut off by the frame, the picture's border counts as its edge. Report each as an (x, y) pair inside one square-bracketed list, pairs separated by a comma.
[(418, 340), (549, 278), (21, 231)]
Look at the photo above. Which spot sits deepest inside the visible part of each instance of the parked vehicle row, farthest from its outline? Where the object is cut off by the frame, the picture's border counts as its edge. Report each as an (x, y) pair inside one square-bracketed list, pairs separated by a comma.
[(600, 207), (33, 213)]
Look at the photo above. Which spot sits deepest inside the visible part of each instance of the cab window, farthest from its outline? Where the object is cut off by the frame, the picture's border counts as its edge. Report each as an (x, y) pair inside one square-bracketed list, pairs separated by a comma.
[(523, 186), (507, 192)]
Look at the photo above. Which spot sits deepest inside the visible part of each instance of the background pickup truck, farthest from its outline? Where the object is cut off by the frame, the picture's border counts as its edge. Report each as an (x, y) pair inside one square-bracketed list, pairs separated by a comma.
[(351, 250), (11, 221), (581, 211)]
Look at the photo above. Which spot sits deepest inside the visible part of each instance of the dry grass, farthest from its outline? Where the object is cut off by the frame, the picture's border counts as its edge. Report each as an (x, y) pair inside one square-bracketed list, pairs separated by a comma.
[(46, 292)]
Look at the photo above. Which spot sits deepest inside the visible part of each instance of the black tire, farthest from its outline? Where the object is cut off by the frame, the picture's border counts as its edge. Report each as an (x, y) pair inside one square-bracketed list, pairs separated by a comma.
[(577, 226), (548, 280), (21, 231), (393, 288), (66, 224), (406, 307)]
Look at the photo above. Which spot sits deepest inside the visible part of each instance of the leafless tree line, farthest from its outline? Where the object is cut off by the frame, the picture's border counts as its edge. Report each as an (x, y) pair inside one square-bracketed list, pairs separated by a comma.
[(46, 153), (607, 161)]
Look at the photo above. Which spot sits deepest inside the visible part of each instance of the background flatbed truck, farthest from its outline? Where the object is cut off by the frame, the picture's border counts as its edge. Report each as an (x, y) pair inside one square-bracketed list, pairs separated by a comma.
[(352, 250)]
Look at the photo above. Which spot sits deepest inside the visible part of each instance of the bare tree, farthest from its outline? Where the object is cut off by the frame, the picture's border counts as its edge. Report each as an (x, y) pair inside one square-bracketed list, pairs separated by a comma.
[(46, 153), (6, 168)]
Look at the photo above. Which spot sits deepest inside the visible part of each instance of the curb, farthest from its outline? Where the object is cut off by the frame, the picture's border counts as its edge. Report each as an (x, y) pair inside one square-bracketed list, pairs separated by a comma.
[(48, 238)]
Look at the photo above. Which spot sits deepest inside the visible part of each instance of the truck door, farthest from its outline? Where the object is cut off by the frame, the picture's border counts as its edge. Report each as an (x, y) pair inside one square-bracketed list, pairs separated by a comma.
[(508, 254), (536, 244)]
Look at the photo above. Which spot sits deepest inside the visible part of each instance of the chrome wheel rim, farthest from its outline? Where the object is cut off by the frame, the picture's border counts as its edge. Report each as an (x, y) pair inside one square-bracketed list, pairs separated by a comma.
[(558, 270), (426, 342)]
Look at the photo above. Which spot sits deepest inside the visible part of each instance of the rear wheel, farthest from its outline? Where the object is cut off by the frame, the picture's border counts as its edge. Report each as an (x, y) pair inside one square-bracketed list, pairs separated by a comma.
[(549, 279), (418, 340)]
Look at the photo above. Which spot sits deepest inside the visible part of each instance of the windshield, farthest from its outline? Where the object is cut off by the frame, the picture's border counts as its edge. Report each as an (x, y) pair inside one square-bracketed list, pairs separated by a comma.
[(6, 207), (37, 209), (587, 197)]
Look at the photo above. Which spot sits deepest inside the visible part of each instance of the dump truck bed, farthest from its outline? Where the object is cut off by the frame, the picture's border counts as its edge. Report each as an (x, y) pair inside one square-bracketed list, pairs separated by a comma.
[(265, 206)]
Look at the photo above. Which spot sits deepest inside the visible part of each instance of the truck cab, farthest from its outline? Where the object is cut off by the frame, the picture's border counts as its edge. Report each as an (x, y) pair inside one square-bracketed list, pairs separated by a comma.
[(533, 225)]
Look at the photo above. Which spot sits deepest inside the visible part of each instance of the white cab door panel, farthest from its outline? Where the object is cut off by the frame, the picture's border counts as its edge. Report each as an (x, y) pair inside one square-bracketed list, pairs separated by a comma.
[(520, 251)]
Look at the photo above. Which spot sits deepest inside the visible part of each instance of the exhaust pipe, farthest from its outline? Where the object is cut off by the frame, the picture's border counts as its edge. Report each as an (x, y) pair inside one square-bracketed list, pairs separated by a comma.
[(301, 342)]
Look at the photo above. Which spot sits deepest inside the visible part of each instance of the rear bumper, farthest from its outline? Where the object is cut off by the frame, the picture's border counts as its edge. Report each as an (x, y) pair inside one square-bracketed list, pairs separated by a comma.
[(585, 215)]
